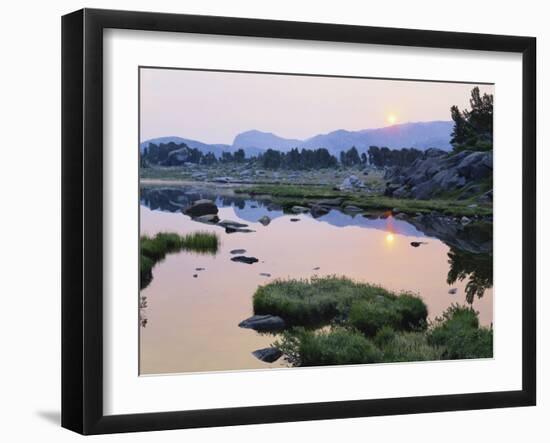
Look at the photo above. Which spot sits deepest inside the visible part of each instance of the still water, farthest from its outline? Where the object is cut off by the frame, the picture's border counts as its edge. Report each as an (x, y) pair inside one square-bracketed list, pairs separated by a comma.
[(192, 316)]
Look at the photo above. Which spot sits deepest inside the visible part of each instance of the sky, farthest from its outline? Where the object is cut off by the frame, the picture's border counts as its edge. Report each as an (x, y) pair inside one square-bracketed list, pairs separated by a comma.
[(213, 107)]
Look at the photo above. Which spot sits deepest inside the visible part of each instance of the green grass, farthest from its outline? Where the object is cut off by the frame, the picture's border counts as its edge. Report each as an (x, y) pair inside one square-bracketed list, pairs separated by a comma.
[(368, 324), (405, 312), (155, 249), (313, 302), (459, 333), (338, 346), (290, 195)]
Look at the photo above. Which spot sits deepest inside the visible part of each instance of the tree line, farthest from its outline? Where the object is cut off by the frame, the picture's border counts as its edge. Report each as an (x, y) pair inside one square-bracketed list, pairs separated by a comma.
[(173, 154)]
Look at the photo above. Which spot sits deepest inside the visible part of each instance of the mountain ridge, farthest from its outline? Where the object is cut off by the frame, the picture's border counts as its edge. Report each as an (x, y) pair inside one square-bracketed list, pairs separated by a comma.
[(419, 135)]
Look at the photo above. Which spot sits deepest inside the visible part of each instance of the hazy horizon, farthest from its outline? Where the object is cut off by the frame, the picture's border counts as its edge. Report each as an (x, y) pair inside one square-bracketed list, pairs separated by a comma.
[(213, 107)]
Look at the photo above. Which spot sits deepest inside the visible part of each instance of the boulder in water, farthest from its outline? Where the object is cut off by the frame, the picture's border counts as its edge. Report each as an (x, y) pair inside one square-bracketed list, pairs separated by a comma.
[(269, 355), (263, 323), (201, 207), (244, 259)]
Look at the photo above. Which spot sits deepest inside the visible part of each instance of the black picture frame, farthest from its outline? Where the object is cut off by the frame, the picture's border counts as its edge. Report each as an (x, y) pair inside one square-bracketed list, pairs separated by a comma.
[(82, 218)]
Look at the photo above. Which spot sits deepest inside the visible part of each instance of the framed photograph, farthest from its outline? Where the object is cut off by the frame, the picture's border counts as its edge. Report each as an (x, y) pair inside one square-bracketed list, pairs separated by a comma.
[(269, 221)]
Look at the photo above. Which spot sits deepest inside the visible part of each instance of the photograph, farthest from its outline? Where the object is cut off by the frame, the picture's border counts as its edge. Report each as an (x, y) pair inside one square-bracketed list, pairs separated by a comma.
[(293, 220)]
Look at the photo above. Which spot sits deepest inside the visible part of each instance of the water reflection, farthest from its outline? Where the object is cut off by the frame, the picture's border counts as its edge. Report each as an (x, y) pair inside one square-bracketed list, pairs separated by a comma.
[(477, 269), (191, 323)]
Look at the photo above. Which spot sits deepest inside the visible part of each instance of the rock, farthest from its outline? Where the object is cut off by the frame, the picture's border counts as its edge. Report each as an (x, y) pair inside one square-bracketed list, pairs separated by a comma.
[(351, 183), (331, 202), (237, 251), (263, 323), (465, 220), (487, 197), (265, 274), (416, 244), (319, 211), (269, 355), (400, 216), (264, 220), (201, 207), (211, 219), (299, 209), (452, 291), (200, 269), (231, 224), (230, 230), (438, 172), (316, 268), (195, 275), (294, 219), (222, 179), (244, 259)]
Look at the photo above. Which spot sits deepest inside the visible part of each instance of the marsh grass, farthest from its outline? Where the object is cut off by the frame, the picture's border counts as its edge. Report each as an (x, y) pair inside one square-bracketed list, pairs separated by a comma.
[(319, 301), (155, 249), (459, 333), (368, 324), (289, 195), (338, 346), (313, 302)]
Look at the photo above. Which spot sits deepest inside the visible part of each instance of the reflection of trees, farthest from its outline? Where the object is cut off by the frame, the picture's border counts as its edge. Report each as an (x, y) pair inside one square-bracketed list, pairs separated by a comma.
[(477, 268)]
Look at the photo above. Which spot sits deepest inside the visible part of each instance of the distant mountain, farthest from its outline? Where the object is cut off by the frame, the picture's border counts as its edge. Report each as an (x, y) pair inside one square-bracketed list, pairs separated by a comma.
[(264, 140), (419, 135), (205, 148)]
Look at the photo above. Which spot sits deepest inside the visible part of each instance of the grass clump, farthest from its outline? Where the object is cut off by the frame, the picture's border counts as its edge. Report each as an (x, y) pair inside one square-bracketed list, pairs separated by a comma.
[(338, 346), (405, 312), (367, 324), (313, 302), (155, 249), (458, 332)]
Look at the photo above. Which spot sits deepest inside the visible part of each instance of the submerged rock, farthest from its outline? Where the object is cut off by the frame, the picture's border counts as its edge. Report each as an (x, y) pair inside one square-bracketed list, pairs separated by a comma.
[(231, 230), (201, 207), (269, 355), (265, 274), (265, 220), (263, 323), (331, 202), (299, 209), (232, 224), (452, 291), (352, 208), (319, 210), (416, 244), (244, 259), (208, 218), (237, 251), (294, 219)]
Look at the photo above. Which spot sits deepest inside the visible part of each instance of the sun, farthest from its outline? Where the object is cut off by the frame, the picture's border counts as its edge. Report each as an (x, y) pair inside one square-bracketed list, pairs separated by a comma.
[(392, 119), (390, 237)]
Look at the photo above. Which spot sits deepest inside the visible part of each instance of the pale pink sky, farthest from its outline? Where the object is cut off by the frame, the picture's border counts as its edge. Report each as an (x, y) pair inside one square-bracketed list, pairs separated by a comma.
[(213, 107)]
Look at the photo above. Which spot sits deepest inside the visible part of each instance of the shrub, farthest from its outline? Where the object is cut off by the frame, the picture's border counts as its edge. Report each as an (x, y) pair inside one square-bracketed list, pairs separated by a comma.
[(458, 332), (338, 346), (384, 336), (413, 310)]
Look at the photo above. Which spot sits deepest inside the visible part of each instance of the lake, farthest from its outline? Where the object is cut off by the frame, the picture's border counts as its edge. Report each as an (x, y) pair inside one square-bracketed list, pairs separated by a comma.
[(190, 317)]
